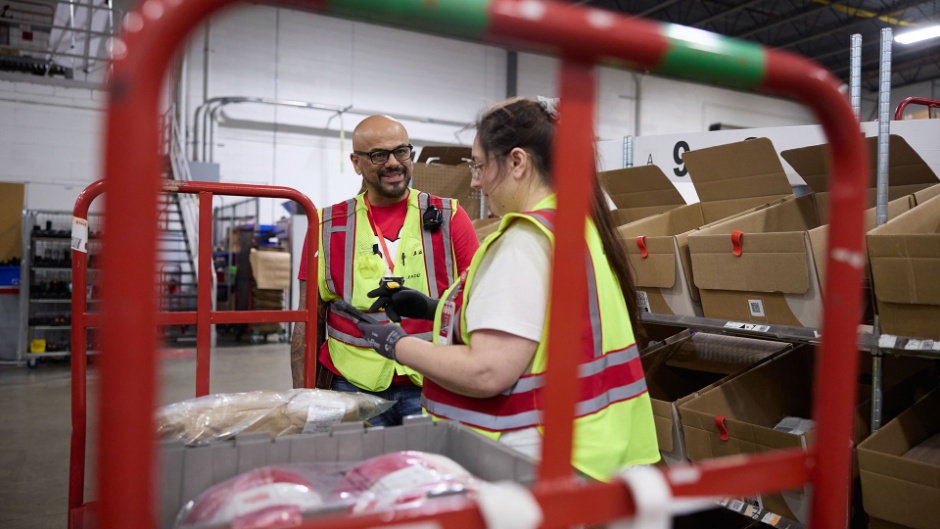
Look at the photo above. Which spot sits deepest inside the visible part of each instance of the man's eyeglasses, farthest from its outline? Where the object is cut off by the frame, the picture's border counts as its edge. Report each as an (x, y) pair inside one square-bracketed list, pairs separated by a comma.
[(380, 156)]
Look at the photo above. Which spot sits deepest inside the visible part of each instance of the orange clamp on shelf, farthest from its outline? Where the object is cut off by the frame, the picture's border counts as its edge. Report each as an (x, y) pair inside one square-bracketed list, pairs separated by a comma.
[(736, 246), (641, 244)]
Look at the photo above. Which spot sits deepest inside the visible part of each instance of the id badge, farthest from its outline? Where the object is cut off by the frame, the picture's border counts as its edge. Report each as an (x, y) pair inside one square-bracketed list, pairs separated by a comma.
[(445, 335)]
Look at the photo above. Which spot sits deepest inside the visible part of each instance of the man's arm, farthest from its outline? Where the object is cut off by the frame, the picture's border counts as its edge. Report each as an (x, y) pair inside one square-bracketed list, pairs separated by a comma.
[(299, 338), (297, 342), (464, 239)]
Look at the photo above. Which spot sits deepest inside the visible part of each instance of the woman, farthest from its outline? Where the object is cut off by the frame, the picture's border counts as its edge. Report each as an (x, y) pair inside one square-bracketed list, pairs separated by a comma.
[(486, 366)]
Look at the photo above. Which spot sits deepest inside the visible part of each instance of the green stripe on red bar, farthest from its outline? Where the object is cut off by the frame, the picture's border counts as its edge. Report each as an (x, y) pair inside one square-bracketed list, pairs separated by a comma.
[(711, 58), (459, 18)]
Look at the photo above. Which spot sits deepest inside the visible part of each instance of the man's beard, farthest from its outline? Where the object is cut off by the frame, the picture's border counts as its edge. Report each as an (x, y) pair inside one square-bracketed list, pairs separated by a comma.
[(396, 190)]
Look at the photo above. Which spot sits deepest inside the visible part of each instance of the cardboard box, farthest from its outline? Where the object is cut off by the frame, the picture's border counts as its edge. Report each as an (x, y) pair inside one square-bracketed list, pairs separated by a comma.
[(905, 264), (924, 195), (907, 171), (729, 179), (774, 274), (751, 405), (755, 401), (443, 171), (680, 371), (271, 269), (639, 192), (899, 490)]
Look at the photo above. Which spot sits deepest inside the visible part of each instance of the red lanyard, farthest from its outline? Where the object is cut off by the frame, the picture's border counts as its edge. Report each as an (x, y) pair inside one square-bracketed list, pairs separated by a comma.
[(378, 233)]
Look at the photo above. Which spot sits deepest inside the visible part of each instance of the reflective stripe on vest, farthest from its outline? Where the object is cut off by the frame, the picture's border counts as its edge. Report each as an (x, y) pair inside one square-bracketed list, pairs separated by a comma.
[(337, 325), (605, 379), (427, 238), (349, 232), (519, 406)]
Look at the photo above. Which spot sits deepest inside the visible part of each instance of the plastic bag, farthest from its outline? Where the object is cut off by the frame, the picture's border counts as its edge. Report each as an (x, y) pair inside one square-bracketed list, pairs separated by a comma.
[(220, 416), (279, 496)]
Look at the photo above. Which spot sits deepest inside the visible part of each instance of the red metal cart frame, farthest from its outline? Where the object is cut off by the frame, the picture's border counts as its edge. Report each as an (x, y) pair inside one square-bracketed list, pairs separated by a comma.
[(581, 37), (203, 317), (929, 103)]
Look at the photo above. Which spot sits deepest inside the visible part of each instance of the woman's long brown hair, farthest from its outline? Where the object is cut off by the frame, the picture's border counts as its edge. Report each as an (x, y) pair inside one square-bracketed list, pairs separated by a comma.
[(527, 124)]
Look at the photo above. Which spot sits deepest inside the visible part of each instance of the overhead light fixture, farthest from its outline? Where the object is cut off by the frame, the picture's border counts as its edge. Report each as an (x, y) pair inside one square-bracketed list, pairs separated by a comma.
[(918, 35)]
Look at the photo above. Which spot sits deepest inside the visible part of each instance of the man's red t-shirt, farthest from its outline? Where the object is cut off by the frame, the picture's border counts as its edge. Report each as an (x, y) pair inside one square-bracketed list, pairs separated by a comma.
[(390, 220)]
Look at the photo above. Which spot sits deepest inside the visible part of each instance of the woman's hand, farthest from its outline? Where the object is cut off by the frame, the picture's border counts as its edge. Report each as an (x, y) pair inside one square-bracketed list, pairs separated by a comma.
[(383, 337)]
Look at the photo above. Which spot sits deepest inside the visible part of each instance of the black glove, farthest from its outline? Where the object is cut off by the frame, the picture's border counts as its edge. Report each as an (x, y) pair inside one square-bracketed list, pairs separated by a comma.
[(402, 301), (382, 337)]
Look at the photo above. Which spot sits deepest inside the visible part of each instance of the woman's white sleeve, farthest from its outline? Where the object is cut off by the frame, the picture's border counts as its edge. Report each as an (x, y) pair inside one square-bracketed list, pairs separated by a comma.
[(510, 289)]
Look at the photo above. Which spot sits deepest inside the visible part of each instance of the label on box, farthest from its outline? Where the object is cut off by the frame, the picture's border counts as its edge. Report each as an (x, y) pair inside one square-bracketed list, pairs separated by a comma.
[(643, 301), (747, 326), (80, 234), (921, 345), (756, 307)]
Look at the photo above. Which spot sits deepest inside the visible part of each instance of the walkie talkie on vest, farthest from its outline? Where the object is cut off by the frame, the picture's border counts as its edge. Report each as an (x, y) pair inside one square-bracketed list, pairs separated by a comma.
[(432, 219)]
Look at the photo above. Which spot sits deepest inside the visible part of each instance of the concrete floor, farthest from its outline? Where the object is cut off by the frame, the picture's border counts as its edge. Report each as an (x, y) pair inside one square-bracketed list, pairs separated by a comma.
[(35, 422)]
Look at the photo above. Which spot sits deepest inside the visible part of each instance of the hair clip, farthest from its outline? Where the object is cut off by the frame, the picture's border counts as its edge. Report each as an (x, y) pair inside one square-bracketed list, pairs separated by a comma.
[(549, 105)]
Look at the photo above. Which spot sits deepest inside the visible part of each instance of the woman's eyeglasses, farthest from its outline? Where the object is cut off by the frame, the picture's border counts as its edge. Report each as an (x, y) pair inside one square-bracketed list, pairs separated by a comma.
[(476, 170)]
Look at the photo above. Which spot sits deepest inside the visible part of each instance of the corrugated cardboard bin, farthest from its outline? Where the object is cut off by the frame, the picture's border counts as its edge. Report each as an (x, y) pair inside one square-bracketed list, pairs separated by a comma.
[(900, 468), (739, 416), (905, 264), (686, 368), (907, 171), (729, 179), (639, 192), (768, 265)]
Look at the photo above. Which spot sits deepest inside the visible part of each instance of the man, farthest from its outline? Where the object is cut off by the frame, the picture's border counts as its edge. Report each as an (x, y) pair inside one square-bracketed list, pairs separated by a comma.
[(389, 230)]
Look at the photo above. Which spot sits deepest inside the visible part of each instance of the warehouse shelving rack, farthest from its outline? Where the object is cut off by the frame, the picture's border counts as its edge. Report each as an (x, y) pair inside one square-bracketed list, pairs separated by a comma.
[(581, 37), (46, 263), (203, 317)]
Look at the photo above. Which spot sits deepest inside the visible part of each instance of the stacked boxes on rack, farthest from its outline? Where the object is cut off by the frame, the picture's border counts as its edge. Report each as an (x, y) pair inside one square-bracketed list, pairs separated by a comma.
[(767, 266), (765, 262), (729, 179), (900, 469), (270, 268), (905, 263), (693, 364), (745, 415)]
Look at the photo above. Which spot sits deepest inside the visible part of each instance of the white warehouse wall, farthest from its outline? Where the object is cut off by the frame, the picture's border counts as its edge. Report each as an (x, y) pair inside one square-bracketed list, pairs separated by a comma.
[(279, 53)]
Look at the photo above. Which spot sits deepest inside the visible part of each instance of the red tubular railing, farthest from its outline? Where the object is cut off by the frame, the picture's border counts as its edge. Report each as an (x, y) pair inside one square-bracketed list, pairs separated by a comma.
[(581, 36), (203, 317), (929, 103)]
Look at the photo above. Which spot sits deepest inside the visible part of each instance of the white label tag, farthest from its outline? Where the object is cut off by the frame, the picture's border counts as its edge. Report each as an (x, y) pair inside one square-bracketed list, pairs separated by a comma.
[(887, 341), (747, 326), (80, 235), (642, 301), (756, 307)]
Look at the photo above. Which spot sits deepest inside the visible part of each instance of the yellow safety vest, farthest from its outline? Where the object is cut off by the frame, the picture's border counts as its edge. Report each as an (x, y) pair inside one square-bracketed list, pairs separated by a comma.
[(349, 268), (614, 425)]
